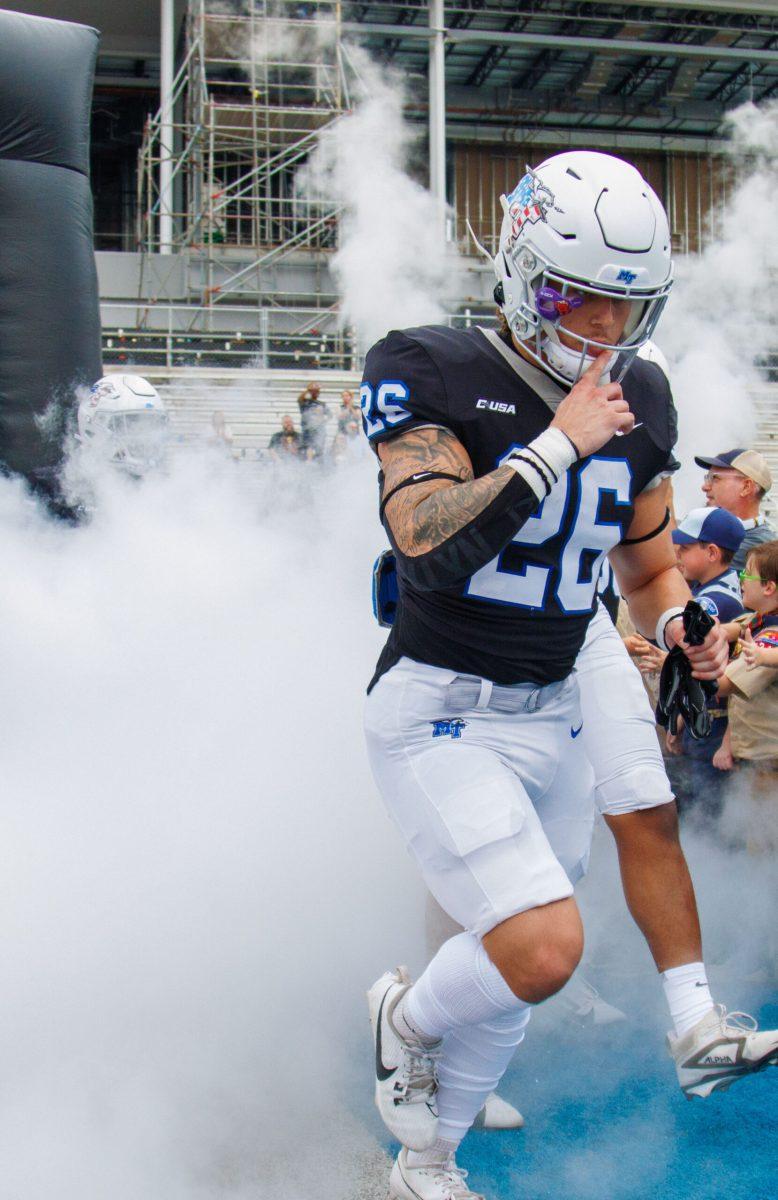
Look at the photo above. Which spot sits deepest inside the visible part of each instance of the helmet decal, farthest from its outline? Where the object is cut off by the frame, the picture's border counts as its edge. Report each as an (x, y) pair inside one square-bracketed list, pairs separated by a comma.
[(529, 202)]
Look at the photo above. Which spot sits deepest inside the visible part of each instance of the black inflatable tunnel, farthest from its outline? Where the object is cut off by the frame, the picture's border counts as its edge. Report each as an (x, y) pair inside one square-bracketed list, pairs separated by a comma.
[(49, 310)]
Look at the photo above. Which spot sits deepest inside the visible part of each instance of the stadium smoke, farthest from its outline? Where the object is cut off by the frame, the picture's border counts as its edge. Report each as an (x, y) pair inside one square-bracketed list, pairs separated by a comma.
[(721, 317), (199, 880), (390, 269)]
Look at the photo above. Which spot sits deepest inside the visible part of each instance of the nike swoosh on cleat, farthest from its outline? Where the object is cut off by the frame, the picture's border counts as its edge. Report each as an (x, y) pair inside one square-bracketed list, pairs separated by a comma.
[(381, 1071), (574, 732)]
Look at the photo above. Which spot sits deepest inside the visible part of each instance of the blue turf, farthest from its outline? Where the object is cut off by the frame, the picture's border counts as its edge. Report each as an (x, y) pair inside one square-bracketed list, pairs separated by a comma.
[(606, 1121)]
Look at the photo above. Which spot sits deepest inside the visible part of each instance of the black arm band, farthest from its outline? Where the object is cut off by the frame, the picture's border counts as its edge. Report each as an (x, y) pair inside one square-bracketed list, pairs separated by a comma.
[(536, 467), (472, 546), (648, 536), (420, 477)]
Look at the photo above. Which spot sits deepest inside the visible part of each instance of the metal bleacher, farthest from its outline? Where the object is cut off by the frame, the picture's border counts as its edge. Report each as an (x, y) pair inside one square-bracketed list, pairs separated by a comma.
[(253, 400)]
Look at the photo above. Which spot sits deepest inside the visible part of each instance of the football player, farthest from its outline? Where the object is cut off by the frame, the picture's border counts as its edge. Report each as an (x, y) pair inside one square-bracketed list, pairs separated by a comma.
[(512, 462), (123, 421)]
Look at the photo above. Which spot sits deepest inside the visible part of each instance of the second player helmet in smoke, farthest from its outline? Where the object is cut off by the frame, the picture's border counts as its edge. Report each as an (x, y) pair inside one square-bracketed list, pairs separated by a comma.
[(123, 419), (581, 223)]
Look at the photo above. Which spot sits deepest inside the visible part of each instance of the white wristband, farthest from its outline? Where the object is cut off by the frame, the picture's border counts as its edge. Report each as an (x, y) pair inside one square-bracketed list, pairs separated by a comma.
[(555, 449), (544, 460), (667, 616)]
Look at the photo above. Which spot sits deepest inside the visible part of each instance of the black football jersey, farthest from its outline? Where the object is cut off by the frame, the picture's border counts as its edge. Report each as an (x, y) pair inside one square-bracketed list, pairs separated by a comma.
[(523, 616)]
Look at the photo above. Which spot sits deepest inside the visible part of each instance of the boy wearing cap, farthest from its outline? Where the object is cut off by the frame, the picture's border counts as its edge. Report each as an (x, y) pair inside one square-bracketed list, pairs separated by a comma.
[(706, 541), (753, 736), (738, 480)]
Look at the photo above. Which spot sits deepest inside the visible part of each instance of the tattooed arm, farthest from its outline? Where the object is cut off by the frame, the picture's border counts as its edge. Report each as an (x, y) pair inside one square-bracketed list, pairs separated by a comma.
[(435, 512), (425, 514), (443, 531)]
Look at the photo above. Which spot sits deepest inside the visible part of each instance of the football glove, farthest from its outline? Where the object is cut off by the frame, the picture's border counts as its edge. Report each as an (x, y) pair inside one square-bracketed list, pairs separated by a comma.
[(680, 694)]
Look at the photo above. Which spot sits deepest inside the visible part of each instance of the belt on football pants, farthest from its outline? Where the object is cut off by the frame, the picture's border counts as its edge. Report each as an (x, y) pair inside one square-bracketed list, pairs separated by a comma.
[(470, 691)]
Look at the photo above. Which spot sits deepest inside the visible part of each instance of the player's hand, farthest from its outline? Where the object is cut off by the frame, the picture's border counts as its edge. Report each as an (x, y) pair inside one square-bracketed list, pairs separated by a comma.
[(708, 660), (635, 644), (653, 659), (722, 759), (673, 741), (751, 652), (592, 413)]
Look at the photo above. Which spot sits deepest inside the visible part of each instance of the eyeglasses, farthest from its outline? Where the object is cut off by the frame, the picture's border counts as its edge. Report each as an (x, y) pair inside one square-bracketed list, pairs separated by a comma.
[(744, 575), (714, 476)]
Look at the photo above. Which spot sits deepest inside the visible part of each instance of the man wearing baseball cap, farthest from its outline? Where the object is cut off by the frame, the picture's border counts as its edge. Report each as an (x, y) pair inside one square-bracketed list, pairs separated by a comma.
[(738, 480), (706, 541)]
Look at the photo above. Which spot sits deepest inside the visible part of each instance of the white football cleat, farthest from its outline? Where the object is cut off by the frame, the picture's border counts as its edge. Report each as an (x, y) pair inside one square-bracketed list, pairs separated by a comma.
[(586, 1003), (444, 1181), (406, 1084), (720, 1049), (498, 1114)]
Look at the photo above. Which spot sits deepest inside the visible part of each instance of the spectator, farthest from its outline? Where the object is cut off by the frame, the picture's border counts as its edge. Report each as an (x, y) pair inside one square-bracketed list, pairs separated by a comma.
[(285, 442), (706, 541), (646, 657), (752, 738), (738, 481), (349, 417), (763, 653), (221, 436), (313, 419)]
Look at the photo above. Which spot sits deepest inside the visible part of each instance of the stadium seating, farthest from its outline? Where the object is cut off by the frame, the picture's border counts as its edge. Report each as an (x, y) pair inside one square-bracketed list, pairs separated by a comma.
[(253, 401)]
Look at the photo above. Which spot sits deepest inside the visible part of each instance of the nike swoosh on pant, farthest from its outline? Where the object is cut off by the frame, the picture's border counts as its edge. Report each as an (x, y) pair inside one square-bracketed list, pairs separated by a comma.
[(574, 732), (380, 1070)]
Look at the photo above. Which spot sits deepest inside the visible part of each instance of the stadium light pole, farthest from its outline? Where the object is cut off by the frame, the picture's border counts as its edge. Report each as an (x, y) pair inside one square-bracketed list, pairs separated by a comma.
[(437, 112), (166, 73)]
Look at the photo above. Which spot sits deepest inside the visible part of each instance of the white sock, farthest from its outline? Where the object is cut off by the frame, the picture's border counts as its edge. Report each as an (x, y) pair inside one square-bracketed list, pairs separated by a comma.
[(461, 986), (440, 1153), (408, 1030), (474, 1061), (463, 998), (688, 995)]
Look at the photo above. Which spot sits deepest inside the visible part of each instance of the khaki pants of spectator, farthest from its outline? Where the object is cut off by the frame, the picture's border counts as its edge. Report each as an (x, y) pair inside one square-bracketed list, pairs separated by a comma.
[(761, 778)]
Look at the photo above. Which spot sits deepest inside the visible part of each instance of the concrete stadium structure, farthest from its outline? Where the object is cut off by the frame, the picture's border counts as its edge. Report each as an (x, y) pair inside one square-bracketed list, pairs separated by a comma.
[(203, 113)]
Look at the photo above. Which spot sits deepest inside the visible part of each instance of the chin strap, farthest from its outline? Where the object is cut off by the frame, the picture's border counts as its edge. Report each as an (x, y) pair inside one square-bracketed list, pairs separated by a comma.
[(564, 360)]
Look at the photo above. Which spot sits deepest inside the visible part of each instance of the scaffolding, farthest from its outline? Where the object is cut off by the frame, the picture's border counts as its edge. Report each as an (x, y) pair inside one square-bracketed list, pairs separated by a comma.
[(258, 82)]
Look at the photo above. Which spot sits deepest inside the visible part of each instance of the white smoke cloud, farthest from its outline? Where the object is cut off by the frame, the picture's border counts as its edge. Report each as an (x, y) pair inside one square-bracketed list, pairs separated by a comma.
[(721, 314), (199, 881), (279, 39), (391, 269)]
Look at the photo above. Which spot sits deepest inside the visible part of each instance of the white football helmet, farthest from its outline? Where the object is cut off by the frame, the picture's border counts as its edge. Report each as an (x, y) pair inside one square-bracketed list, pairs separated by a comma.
[(124, 420), (581, 223)]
